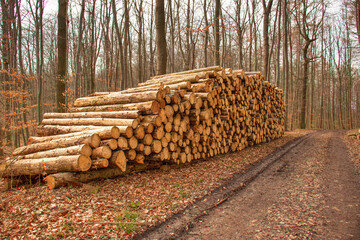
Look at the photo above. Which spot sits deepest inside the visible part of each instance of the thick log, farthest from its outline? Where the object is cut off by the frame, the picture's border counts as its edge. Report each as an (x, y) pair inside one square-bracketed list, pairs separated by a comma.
[(71, 163), (119, 160), (123, 143), (147, 107), (104, 133), (101, 152), (114, 114), (49, 130), (91, 139), (83, 149), (118, 98), (92, 121), (61, 179)]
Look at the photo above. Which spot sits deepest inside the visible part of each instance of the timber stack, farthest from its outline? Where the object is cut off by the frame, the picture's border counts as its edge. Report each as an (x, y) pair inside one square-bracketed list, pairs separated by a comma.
[(172, 118)]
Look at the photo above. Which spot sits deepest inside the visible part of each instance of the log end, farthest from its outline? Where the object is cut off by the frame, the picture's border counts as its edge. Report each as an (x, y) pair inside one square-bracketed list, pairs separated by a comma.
[(115, 132), (121, 161), (95, 141), (84, 163), (155, 107), (86, 150)]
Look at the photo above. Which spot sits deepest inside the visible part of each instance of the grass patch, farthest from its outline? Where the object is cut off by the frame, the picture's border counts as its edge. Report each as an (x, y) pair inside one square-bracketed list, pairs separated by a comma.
[(127, 221)]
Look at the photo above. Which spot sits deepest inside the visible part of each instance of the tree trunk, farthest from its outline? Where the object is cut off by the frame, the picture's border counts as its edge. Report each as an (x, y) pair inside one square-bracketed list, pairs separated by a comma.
[(160, 38), (267, 11), (217, 32), (62, 55), (78, 52)]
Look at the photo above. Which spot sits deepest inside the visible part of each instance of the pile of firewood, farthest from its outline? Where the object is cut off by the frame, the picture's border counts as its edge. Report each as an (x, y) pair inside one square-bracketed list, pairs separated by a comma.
[(172, 118)]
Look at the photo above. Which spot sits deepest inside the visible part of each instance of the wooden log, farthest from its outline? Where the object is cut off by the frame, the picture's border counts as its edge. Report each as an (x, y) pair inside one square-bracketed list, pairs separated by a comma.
[(104, 133), (60, 179), (118, 159), (156, 146), (101, 152), (123, 143), (149, 107), (130, 154), (148, 139), (48, 130), (139, 132), (139, 158), (71, 163), (114, 114), (111, 143), (149, 127), (83, 149), (92, 121), (99, 163), (91, 139), (147, 150), (133, 142), (152, 119), (117, 98)]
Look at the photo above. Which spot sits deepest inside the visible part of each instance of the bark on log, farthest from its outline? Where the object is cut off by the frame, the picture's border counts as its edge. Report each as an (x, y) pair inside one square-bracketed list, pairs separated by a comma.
[(117, 98), (49, 130), (114, 114), (71, 163), (92, 121), (104, 133), (61, 179), (91, 139), (83, 149)]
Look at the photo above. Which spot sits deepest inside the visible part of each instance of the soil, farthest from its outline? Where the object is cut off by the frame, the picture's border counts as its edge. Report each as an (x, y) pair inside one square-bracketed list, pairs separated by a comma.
[(309, 189)]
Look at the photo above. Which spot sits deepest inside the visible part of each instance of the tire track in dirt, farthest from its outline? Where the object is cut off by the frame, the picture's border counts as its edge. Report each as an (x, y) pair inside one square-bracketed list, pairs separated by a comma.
[(310, 191)]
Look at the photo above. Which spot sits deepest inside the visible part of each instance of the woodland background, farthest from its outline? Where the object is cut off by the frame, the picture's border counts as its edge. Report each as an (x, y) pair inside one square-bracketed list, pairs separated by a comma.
[(309, 48)]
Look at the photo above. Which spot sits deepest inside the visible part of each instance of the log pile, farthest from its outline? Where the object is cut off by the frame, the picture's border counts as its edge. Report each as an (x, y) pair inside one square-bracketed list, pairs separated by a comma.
[(172, 118)]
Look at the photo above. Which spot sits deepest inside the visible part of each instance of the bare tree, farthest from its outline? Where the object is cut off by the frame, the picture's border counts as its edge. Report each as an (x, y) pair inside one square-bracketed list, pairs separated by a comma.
[(160, 38), (309, 22), (62, 55), (217, 32), (267, 11)]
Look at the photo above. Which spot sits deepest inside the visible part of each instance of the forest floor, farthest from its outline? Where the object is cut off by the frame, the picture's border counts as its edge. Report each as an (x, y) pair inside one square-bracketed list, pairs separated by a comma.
[(302, 185)]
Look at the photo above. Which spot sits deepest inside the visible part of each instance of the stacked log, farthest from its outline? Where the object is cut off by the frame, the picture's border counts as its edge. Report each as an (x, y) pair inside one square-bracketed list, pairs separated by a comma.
[(173, 118)]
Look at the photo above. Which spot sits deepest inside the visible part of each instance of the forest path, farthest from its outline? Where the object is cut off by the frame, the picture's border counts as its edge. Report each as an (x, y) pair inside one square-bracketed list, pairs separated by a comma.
[(312, 191)]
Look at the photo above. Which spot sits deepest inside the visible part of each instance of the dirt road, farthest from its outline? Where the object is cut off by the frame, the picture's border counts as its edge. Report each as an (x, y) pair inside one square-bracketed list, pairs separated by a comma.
[(310, 192)]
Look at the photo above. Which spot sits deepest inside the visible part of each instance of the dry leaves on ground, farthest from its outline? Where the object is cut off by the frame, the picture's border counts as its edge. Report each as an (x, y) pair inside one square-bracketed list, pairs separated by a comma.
[(119, 208)]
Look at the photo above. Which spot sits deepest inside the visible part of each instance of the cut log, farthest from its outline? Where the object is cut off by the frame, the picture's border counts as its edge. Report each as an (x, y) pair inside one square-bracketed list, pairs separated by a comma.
[(101, 152), (104, 133), (114, 114), (147, 107), (99, 163), (111, 143), (83, 149), (119, 160), (48, 130), (123, 143), (117, 98), (91, 139), (61, 179), (92, 121), (71, 163)]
